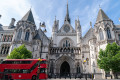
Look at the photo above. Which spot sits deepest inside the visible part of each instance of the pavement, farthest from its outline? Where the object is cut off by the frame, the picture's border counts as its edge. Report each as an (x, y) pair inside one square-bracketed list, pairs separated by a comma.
[(80, 79)]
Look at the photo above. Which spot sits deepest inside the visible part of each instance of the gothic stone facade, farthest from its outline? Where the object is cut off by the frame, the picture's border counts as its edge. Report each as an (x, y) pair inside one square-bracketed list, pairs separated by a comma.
[(66, 50)]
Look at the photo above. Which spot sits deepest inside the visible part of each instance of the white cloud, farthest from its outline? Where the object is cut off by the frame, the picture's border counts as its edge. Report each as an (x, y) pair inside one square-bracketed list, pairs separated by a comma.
[(46, 10), (89, 13), (14, 9)]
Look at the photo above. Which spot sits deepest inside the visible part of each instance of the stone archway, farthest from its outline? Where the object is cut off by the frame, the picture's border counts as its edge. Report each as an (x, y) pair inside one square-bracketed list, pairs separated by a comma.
[(65, 68), (65, 60)]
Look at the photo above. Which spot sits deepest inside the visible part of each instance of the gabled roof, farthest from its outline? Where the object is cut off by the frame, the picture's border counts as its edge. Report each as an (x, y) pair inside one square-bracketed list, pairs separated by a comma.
[(37, 37), (29, 17), (101, 16)]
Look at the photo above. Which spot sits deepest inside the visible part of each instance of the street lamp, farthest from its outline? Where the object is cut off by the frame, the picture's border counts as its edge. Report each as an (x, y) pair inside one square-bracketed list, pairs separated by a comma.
[(38, 71)]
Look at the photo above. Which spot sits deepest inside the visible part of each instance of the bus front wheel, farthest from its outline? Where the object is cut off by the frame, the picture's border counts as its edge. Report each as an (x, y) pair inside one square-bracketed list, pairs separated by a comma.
[(34, 77)]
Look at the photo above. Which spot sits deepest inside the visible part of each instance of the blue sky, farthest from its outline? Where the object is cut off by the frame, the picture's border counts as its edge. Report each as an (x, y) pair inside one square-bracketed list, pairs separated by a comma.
[(46, 10)]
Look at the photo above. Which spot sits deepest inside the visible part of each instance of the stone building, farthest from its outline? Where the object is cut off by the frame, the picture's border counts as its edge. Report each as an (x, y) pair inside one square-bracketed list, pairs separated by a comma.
[(67, 49)]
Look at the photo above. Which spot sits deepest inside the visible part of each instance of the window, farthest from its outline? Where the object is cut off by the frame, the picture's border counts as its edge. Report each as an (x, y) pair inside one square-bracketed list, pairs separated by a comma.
[(108, 33), (16, 70), (4, 49), (119, 37), (101, 35), (93, 64), (16, 62), (82, 55), (27, 35), (66, 43), (43, 62), (19, 34)]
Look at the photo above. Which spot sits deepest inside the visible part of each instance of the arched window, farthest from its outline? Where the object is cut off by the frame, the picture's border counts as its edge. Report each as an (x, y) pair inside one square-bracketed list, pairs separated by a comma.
[(108, 33), (93, 64), (66, 43), (101, 35), (19, 34), (92, 56), (94, 71), (27, 35)]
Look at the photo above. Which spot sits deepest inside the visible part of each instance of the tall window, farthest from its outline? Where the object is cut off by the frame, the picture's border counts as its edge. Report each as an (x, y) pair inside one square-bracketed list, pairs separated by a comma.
[(119, 36), (4, 49), (101, 35), (66, 43), (19, 34), (27, 35), (108, 33)]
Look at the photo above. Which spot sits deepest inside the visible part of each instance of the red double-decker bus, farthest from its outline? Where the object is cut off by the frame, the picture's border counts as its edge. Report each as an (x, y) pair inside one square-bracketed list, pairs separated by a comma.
[(26, 69)]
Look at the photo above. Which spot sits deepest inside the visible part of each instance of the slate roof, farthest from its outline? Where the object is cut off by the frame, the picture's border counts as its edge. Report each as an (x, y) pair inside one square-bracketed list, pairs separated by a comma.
[(101, 16), (37, 36), (29, 17)]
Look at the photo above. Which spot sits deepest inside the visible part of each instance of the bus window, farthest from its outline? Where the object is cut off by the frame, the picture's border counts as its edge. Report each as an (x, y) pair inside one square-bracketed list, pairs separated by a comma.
[(16, 62), (43, 62), (7, 62), (16, 70), (25, 71), (26, 62), (42, 70)]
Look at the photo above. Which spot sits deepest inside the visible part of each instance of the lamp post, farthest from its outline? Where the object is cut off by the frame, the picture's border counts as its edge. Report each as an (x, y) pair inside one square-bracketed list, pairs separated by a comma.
[(84, 68), (38, 71), (84, 65)]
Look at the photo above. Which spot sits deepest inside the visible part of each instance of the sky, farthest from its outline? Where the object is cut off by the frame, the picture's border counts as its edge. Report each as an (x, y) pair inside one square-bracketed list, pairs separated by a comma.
[(46, 10)]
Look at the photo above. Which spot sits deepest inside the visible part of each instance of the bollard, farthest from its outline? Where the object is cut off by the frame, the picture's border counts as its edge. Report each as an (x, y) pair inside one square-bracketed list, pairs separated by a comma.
[(75, 76), (80, 76), (111, 76), (86, 76), (70, 76), (92, 76), (55, 76), (65, 76)]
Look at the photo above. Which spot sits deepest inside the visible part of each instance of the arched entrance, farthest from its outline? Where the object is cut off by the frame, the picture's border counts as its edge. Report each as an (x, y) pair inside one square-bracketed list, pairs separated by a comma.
[(64, 69)]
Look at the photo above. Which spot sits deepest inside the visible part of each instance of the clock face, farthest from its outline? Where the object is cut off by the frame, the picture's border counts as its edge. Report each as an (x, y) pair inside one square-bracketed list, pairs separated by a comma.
[(66, 28)]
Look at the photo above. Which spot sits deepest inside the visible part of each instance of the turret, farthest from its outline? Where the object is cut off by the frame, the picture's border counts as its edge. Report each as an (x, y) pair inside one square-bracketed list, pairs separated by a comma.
[(104, 27), (55, 30), (78, 31), (55, 25)]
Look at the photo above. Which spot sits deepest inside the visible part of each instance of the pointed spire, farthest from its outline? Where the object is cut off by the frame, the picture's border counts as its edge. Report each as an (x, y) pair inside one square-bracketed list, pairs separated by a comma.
[(29, 17), (101, 16), (67, 18)]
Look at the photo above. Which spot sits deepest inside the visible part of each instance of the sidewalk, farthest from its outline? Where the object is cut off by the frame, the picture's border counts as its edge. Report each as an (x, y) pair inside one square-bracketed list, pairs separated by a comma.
[(79, 79)]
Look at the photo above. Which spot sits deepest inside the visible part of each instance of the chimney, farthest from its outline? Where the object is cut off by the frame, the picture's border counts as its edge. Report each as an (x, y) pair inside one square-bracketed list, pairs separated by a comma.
[(12, 23)]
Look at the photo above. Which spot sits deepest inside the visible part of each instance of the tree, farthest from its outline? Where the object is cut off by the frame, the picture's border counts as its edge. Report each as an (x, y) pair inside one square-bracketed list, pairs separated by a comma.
[(109, 59), (20, 53)]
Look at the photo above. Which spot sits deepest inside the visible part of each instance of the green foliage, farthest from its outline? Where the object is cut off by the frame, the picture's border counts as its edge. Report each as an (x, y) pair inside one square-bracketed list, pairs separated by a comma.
[(109, 59), (20, 53)]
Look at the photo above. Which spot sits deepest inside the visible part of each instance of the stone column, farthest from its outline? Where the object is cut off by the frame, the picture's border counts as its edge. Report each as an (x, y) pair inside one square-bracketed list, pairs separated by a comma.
[(6, 47)]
